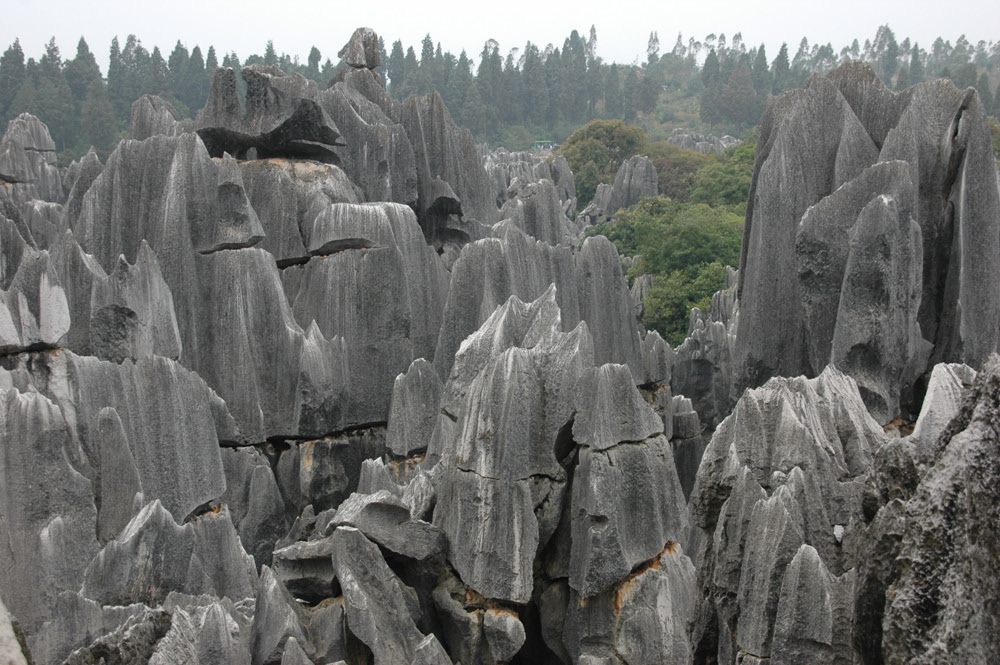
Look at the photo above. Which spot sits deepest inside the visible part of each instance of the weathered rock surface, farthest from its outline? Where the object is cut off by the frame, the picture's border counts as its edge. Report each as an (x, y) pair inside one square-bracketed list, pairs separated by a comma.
[(943, 604), (843, 159), (28, 156), (495, 460), (790, 467), (49, 519), (282, 118), (152, 115), (154, 555)]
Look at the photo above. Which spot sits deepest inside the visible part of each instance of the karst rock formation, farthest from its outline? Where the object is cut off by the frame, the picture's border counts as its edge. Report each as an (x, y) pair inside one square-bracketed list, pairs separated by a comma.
[(313, 378)]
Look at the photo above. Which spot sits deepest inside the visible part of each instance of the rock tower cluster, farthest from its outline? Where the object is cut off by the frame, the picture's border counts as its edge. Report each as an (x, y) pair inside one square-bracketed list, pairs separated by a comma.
[(313, 378)]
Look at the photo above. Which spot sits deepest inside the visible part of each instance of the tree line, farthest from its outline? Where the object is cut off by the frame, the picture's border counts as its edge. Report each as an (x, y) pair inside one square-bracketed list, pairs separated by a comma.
[(507, 98)]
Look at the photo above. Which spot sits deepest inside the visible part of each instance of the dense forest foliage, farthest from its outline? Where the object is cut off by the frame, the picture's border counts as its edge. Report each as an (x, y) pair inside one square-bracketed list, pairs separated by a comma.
[(507, 98), (685, 237)]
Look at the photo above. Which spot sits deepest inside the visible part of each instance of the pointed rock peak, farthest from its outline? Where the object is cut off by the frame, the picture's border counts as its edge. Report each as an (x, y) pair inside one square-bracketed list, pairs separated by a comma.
[(362, 51)]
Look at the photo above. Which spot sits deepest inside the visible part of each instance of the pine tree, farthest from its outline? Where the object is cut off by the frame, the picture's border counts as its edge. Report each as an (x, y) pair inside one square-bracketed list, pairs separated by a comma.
[(156, 78), (12, 76), (536, 92), (738, 98), (175, 63), (782, 71), (458, 88), (474, 113), (985, 94), (397, 68), (98, 119), (762, 81), (613, 107), (24, 100), (629, 92), (212, 61), (81, 71), (194, 84), (653, 48), (270, 56), (649, 92), (903, 77), (312, 70), (916, 65), (55, 106)]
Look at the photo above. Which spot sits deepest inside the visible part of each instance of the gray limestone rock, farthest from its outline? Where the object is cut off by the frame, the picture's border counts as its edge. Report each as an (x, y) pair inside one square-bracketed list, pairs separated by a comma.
[(131, 311), (362, 50), (605, 306), (277, 618), (255, 504), (562, 177), (45, 221), (822, 245), (942, 606), (28, 155), (610, 410), (535, 209), (504, 633), (34, 311), (152, 115), (154, 555), (387, 300), (416, 401), (807, 446), (494, 556), (810, 144), (877, 338), (774, 537), (293, 654), (119, 477), (378, 155), (88, 168), (430, 652), (133, 641), (12, 652), (385, 519), (827, 153), (636, 178), (327, 629), (50, 519), (166, 415), (304, 568), (282, 117), (803, 627), (626, 504), (287, 195), (374, 599), (235, 224), (946, 388), (450, 177)]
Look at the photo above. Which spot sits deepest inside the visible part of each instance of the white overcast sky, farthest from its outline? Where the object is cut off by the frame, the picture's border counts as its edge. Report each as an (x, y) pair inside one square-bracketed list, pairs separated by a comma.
[(623, 26)]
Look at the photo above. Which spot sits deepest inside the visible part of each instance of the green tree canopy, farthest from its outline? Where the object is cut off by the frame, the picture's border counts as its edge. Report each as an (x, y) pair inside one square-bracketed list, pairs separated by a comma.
[(596, 150), (685, 247)]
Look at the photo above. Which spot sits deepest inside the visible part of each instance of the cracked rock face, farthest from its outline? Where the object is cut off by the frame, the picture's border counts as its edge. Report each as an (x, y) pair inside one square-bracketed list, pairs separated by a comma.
[(325, 382), (872, 216)]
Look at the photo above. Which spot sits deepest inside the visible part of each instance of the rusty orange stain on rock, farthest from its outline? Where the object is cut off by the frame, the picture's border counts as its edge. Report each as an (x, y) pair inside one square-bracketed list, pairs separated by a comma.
[(624, 587)]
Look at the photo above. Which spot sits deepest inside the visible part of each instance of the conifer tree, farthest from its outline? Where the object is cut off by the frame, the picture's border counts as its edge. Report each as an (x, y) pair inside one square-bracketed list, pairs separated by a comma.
[(782, 71), (81, 71), (613, 93), (98, 119), (916, 65), (629, 91), (12, 76), (985, 94)]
